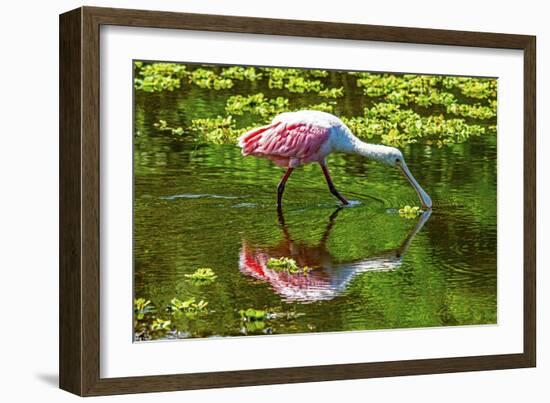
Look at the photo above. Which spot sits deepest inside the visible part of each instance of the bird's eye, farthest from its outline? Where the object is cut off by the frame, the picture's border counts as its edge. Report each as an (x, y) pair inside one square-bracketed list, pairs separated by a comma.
[(397, 160)]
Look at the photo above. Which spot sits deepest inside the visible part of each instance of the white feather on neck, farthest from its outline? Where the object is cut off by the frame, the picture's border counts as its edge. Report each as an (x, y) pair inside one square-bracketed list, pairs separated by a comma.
[(346, 142), (375, 152)]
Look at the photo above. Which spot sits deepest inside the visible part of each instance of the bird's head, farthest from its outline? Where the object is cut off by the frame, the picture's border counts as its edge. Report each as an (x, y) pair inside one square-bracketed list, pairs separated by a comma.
[(394, 157), (399, 162)]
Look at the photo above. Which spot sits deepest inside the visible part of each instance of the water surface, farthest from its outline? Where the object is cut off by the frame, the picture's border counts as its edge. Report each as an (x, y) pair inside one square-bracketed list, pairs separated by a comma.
[(199, 205)]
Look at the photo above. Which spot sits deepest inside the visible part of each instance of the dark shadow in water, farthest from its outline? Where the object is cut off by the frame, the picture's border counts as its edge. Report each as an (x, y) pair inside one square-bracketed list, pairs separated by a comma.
[(328, 278)]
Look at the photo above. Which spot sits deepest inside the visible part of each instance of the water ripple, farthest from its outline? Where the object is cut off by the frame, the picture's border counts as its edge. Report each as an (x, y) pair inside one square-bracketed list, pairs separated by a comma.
[(198, 196)]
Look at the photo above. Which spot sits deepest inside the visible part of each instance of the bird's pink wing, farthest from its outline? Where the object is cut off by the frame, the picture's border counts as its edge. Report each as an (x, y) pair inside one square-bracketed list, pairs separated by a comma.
[(279, 140)]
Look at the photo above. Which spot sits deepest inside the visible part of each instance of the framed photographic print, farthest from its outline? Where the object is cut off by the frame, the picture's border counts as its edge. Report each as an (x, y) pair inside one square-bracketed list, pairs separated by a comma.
[(250, 201)]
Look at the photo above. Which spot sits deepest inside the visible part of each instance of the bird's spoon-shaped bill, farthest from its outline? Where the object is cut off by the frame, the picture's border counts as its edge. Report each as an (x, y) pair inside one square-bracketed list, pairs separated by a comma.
[(424, 198)]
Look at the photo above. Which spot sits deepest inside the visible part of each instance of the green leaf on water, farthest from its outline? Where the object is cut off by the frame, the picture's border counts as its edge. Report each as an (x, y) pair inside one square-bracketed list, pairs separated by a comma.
[(202, 276), (410, 212)]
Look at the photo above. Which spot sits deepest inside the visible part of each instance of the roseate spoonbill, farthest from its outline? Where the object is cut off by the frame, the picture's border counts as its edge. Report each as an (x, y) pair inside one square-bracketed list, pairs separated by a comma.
[(296, 138), (329, 277)]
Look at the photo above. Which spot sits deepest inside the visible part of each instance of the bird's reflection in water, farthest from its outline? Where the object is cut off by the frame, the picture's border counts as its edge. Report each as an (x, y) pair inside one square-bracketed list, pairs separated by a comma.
[(328, 277)]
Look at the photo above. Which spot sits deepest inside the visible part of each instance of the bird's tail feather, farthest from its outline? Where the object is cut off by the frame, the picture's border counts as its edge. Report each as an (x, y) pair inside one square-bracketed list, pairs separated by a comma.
[(249, 140)]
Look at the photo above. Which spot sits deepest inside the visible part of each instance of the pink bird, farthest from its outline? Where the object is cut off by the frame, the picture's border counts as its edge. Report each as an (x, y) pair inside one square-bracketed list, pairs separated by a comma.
[(296, 138)]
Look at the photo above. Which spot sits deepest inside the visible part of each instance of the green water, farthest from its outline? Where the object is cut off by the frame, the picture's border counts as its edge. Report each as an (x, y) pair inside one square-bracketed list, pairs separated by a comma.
[(199, 205)]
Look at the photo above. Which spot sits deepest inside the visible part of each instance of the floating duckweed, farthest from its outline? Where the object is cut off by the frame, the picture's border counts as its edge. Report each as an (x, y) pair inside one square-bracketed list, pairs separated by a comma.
[(254, 320), (314, 73), (295, 80), (252, 314), (257, 104), (410, 212), (378, 85), (365, 128), (404, 126), (385, 121), (276, 77), (162, 125), (332, 92), (399, 116), (407, 86), (241, 73), (201, 276), (143, 307), (220, 130), (300, 85), (287, 265), (157, 77), (160, 325), (400, 97), (427, 91), (205, 78), (477, 111), (434, 97), (189, 307), (146, 324), (283, 264), (479, 88)]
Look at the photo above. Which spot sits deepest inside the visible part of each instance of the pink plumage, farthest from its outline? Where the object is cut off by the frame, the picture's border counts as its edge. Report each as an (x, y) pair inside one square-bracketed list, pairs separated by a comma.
[(287, 143)]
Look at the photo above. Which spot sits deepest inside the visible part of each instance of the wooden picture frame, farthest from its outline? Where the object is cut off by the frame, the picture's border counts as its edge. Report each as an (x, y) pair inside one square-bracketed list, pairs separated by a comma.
[(79, 346)]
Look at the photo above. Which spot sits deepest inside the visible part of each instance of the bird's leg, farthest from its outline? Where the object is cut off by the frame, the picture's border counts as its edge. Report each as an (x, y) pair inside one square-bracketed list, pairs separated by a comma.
[(331, 186), (282, 224), (330, 224), (281, 187)]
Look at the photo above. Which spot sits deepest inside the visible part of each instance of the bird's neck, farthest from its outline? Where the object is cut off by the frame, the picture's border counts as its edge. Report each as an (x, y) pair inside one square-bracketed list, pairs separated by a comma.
[(348, 143), (375, 152)]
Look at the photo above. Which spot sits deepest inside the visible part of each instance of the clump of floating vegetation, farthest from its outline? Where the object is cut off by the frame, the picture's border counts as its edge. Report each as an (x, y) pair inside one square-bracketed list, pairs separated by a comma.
[(263, 320), (179, 314), (147, 325), (160, 325), (253, 320), (300, 85), (206, 78), (423, 89), (162, 126), (242, 73), (256, 104), (332, 92), (189, 307), (252, 314), (219, 130), (410, 212), (480, 88), (401, 108), (187, 317), (475, 111), (202, 276), (397, 126), (155, 77), (283, 264), (143, 307), (287, 265), (295, 80)]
